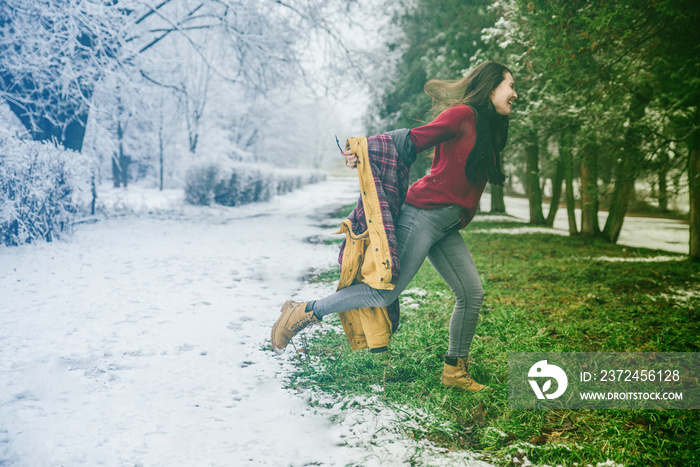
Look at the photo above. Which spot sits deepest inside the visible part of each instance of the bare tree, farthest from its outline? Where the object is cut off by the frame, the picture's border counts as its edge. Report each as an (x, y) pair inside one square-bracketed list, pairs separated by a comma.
[(54, 54)]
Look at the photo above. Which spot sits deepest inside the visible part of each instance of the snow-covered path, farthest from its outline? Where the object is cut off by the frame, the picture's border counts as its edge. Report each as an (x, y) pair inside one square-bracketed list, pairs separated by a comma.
[(141, 341)]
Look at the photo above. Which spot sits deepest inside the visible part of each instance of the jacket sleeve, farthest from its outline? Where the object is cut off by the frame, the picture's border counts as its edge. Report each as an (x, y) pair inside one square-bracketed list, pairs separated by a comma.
[(404, 146), (450, 123)]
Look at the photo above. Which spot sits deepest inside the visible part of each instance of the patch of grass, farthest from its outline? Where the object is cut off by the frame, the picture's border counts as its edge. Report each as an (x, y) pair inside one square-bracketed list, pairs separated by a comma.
[(486, 223), (544, 293), (334, 240), (343, 211), (330, 275)]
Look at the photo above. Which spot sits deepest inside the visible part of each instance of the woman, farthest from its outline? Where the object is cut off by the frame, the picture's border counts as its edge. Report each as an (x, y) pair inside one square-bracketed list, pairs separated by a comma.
[(468, 137)]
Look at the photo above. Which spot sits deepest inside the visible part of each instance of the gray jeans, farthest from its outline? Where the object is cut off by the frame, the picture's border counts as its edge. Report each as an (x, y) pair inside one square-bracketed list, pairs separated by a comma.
[(421, 233)]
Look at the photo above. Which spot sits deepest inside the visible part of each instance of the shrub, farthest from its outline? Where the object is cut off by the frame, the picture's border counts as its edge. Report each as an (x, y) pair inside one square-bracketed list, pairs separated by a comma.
[(239, 183), (37, 184), (200, 182), (243, 184)]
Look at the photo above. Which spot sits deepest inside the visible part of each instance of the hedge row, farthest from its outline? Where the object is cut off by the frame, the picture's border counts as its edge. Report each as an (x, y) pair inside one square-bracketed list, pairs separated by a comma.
[(39, 181), (238, 184)]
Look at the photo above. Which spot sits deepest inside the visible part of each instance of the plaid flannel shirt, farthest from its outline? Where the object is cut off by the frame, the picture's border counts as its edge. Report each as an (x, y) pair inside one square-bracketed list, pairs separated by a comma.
[(391, 180)]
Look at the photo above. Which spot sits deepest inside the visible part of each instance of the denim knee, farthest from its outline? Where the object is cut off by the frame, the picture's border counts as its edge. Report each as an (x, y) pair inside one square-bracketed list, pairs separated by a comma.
[(474, 297), (385, 297)]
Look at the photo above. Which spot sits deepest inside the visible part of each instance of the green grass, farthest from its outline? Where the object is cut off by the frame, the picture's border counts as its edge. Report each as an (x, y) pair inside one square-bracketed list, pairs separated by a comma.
[(343, 211), (544, 292)]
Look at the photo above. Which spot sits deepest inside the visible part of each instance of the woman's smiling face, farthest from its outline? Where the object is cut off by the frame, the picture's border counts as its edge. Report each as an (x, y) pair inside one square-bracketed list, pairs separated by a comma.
[(504, 95)]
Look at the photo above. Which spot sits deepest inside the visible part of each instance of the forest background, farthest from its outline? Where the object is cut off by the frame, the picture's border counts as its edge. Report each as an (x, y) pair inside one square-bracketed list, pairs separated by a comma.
[(184, 93), (607, 113)]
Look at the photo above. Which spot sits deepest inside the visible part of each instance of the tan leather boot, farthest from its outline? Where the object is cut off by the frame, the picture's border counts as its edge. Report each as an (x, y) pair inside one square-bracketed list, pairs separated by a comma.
[(293, 319), (455, 375)]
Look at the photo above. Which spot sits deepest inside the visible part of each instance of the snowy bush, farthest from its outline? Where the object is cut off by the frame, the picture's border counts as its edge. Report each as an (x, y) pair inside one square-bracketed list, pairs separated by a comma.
[(200, 182), (241, 183), (37, 183)]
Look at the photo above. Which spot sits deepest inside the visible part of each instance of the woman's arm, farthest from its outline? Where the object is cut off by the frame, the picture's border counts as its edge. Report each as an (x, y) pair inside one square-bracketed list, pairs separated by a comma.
[(451, 123)]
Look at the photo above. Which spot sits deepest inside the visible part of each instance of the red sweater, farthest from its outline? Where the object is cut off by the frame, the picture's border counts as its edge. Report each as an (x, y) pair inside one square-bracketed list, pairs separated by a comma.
[(453, 133)]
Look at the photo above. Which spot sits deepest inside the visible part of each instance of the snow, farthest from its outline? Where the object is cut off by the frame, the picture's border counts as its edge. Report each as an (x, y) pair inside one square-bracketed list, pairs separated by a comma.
[(143, 340), (652, 259), (522, 230), (645, 232)]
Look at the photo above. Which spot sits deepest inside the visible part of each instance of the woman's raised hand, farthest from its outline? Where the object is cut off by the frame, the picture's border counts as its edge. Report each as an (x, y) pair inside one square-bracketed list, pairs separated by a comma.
[(350, 159)]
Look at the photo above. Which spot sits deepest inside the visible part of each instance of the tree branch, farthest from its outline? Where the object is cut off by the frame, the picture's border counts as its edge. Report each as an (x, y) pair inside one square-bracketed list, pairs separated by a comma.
[(153, 10)]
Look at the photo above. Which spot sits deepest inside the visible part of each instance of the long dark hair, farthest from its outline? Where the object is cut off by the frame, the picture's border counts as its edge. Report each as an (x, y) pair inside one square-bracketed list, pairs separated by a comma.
[(474, 90)]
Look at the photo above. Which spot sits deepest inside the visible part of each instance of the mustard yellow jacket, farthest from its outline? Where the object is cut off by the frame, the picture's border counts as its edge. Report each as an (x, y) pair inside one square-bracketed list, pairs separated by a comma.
[(366, 256)]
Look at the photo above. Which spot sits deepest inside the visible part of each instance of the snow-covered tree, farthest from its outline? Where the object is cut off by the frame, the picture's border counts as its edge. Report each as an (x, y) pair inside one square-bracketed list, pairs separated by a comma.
[(54, 54)]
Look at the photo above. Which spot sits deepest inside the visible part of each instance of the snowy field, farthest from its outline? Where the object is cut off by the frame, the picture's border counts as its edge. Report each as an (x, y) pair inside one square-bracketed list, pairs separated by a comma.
[(142, 341)]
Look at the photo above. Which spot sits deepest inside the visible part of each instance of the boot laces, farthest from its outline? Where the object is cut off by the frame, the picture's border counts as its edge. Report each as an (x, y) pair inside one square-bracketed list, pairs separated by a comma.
[(463, 365), (302, 323)]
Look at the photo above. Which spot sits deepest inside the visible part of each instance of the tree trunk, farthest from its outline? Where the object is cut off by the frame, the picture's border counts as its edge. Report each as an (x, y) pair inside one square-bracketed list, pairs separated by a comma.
[(534, 193), (498, 203), (194, 137), (662, 195), (694, 185), (120, 162), (125, 162), (94, 194), (120, 169), (556, 192), (628, 168), (567, 157), (116, 171), (160, 155), (589, 190)]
